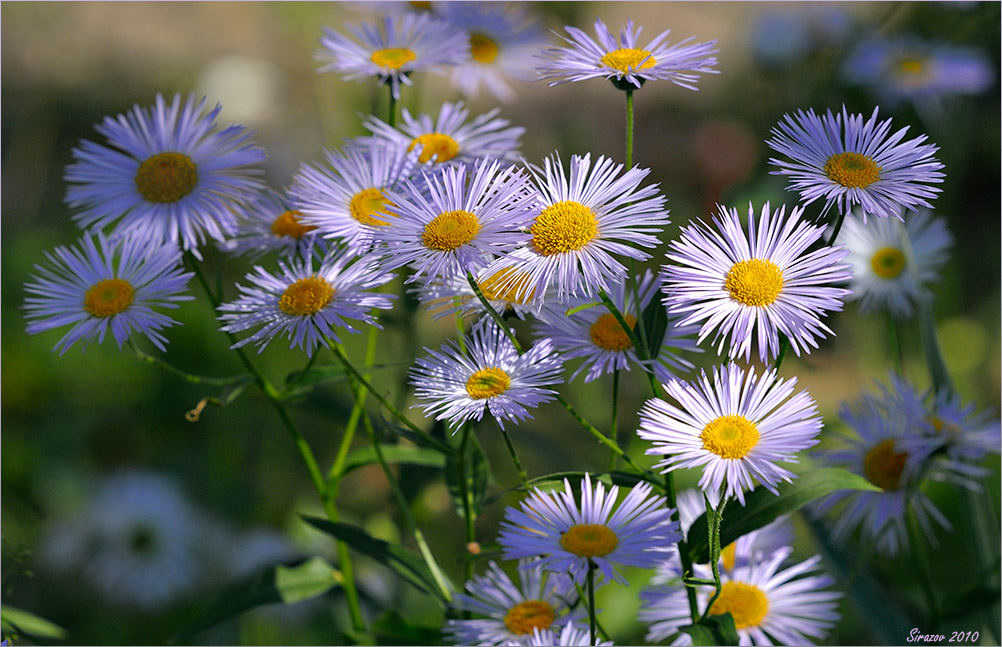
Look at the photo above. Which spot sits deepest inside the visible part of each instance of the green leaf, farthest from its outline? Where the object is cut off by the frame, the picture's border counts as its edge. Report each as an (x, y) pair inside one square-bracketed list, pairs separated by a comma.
[(393, 454), (762, 506), (713, 630), (468, 474), (310, 579), (701, 634), (18, 621), (584, 306), (255, 591), (655, 318), (407, 564)]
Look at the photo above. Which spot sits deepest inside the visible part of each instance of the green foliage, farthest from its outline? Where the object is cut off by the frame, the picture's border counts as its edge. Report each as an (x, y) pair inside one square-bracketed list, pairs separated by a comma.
[(713, 630), (313, 577), (24, 623)]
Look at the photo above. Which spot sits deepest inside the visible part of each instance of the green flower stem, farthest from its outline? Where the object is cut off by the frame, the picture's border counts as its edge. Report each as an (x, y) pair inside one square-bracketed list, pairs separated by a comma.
[(184, 375), (468, 512), (629, 135), (921, 563), (636, 341), (316, 476), (592, 618), (713, 519), (683, 545), (392, 121), (514, 459), (493, 313), (896, 339), (613, 417), (838, 227), (784, 344)]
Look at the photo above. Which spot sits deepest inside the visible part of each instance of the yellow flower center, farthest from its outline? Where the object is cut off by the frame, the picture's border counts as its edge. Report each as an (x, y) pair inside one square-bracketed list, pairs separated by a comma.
[(288, 224), (487, 383), (513, 283), (435, 144), (852, 170), (166, 177), (888, 262), (729, 555), (109, 297), (306, 296), (484, 49), (525, 616), (450, 230), (589, 540), (755, 282), (746, 603), (911, 66), (366, 204), (393, 58), (730, 436), (563, 227), (942, 427), (883, 466), (628, 60), (607, 333), (421, 5)]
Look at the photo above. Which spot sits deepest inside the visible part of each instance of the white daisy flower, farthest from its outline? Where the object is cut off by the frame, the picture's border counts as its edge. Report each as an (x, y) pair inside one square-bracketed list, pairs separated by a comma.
[(894, 262), (737, 427)]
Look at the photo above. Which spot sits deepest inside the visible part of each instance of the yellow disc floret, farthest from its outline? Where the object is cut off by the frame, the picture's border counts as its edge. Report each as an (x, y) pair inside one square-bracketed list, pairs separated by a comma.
[(628, 60), (482, 48), (852, 170), (393, 58), (432, 144), (487, 383), (288, 224), (730, 436), (746, 603), (508, 285), (366, 204), (609, 334), (888, 262), (729, 555), (306, 296), (166, 177), (109, 297), (755, 282), (525, 616), (589, 540), (563, 227), (883, 466), (450, 230)]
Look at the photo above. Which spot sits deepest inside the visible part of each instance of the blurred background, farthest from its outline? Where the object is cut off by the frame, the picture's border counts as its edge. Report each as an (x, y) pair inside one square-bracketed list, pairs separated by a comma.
[(87, 436)]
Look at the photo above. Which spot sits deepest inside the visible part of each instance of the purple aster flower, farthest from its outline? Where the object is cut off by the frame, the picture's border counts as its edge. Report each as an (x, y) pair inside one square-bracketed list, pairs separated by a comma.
[(273, 223), (112, 285), (170, 176)]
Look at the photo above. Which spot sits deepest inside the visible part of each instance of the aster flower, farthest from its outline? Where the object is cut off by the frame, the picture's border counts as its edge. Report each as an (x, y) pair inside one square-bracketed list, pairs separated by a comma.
[(450, 138), (581, 223), (571, 634), (503, 40), (392, 49), (456, 220), (346, 199), (272, 223), (305, 304), (451, 295), (849, 161), (889, 453), (623, 62), (169, 175), (596, 336), (539, 601), (769, 606), (764, 282), (737, 428), (490, 375), (893, 262), (108, 286), (570, 538)]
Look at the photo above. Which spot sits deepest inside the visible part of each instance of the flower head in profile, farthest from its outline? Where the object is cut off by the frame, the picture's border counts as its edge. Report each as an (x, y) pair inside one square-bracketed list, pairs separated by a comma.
[(769, 604), (346, 199), (109, 286), (623, 62), (307, 305), (392, 48), (737, 427), (569, 537), (595, 334), (272, 223), (450, 138), (169, 175), (580, 222), (451, 295), (755, 285), (503, 41), (489, 375), (893, 262), (512, 611), (456, 220), (849, 160)]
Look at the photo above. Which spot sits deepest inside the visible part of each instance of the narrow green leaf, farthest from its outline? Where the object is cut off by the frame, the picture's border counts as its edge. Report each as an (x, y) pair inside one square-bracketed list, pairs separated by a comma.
[(393, 454), (582, 307), (313, 577), (405, 563), (762, 506), (655, 324), (19, 621)]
